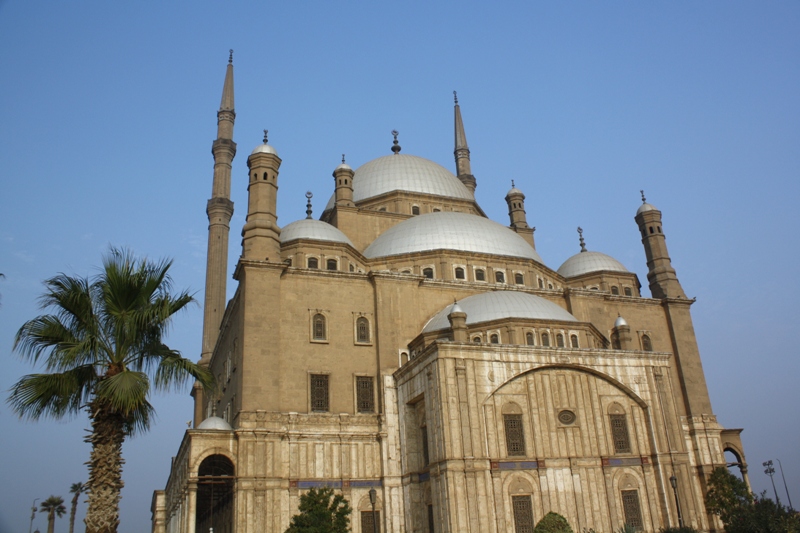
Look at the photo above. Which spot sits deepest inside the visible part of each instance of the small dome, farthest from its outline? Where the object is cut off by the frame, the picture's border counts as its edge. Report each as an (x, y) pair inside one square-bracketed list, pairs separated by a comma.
[(450, 231), (620, 322), (402, 172), (264, 149), (343, 166), (455, 308), (514, 190), (313, 229), (646, 207), (585, 262), (498, 305), (215, 422)]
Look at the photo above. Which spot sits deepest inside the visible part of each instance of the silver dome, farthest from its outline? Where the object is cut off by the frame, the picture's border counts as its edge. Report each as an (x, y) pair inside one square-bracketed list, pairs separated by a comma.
[(646, 207), (215, 422), (585, 262), (264, 149), (450, 231), (619, 322), (501, 304), (313, 229), (402, 172)]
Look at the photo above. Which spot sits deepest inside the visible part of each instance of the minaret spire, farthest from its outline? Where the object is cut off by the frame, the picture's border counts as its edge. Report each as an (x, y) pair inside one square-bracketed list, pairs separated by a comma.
[(461, 152)]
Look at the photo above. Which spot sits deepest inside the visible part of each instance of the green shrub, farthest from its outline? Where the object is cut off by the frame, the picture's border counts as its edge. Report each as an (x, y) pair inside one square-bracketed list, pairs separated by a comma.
[(552, 523)]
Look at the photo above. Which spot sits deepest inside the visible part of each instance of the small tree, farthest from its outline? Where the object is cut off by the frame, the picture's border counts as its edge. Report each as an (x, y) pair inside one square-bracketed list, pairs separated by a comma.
[(321, 511), (552, 523), (54, 505), (76, 489)]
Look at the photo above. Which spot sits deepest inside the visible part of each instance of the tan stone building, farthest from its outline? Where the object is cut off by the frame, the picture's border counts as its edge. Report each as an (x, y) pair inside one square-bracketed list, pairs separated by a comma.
[(406, 343)]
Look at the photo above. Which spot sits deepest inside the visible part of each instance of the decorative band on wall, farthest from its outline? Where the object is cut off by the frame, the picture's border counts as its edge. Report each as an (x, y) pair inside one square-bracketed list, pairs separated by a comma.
[(517, 465), (334, 483), (625, 461)]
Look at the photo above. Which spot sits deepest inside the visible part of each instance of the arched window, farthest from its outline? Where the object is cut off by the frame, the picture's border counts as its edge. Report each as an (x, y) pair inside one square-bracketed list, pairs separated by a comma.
[(545, 339), (352, 267), (499, 277), (614, 289), (313, 262), (647, 345), (476, 340), (480, 275), (332, 264), (541, 284), (415, 210), (214, 505), (319, 333), (619, 431), (427, 272), (560, 340), (529, 338), (518, 279), (628, 291), (573, 339), (632, 510), (362, 330), (459, 273), (549, 285), (436, 210), (515, 433), (265, 176), (494, 339)]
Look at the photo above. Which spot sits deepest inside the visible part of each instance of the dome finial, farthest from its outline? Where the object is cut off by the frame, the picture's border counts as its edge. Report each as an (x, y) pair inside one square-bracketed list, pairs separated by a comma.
[(455, 97), (265, 136), (395, 145), (512, 184), (583, 243), (343, 159), (644, 200), (230, 56), (308, 204)]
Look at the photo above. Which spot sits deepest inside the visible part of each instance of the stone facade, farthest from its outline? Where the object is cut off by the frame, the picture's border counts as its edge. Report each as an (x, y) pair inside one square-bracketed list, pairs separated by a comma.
[(336, 366)]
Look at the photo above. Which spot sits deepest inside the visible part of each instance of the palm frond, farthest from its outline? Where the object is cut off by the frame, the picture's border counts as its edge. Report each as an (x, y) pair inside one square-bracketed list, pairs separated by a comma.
[(53, 395), (174, 371), (124, 392)]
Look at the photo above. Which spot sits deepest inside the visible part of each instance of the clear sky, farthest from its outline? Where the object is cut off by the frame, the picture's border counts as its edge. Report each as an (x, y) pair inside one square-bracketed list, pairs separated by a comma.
[(108, 111)]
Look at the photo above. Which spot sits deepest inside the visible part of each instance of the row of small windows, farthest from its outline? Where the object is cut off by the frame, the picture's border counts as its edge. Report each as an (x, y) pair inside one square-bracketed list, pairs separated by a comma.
[(515, 433), (330, 264), (494, 338), (319, 393), (627, 290), (319, 328), (480, 275)]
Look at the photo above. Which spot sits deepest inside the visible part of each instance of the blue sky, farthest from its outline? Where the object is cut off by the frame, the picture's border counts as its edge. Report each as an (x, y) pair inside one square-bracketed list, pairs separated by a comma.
[(109, 109)]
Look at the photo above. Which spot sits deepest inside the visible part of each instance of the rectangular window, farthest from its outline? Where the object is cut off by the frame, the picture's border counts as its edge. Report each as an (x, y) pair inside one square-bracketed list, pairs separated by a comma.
[(426, 459), (367, 523), (319, 393), (365, 395), (630, 506), (515, 438), (523, 514), (619, 432), (431, 528)]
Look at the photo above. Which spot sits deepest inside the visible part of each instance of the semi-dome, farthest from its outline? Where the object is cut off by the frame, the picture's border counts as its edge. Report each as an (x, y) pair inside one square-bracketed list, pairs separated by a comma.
[(585, 262), (264, 149), (402, 172), (314, 230), (646, 207), (214, 422), (451, 231), (497, 305)]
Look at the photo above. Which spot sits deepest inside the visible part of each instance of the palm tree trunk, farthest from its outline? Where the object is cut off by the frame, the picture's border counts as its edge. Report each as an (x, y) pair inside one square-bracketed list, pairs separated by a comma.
[(105, 469), (51, 520), (72, 512)]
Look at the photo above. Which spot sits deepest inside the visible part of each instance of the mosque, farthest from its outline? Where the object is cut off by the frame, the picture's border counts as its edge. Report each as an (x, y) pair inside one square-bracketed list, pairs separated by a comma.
[(423, 361)]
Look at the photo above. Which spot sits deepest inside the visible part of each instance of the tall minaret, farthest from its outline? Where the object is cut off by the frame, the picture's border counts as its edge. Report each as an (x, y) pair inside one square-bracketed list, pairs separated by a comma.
[(663, 280), (220, 211), (463, 170)]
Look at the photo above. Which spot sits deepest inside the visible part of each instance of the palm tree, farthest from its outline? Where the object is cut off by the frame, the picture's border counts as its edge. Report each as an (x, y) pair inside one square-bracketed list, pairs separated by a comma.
[(103, 349), (54, 505), (76, 489)]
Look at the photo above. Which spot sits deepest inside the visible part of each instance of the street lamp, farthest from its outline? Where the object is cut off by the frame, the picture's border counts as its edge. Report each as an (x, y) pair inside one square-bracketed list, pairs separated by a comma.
[(785, 486), (33, 514), (674, 482), (373, 498), (770, 471)]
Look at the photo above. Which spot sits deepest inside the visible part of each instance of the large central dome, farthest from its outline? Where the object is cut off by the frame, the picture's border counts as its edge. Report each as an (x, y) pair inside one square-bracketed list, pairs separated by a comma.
[(450, 231), (400, 172)]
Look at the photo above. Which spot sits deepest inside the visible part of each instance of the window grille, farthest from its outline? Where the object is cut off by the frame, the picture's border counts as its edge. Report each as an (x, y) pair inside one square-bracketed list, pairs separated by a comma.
[(319, 327), (614, 290), (426, 458), (573, 339), (319, 393), (515, 438), (415, 210), (313, 262), (427, 272), (362, 330), (545, 339), (560, 340), (431, 528), (495, 339), (365, 395), (459, 273), (630, 506), (647, 345), (523, 514), (476, 340), (367, 525), (619, 433), (332, 264), (499, 277), (480, 275), (518, 279), (628, 291), (529, 338)]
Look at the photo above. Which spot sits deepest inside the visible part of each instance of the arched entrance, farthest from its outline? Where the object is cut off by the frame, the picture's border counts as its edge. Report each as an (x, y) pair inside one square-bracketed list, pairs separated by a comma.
[(215, 479)]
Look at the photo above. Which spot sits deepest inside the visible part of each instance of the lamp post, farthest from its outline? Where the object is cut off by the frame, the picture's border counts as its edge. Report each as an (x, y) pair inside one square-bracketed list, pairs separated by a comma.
[(674, 482), (770, 471), (785, 486), (33, 514), (373, 498)]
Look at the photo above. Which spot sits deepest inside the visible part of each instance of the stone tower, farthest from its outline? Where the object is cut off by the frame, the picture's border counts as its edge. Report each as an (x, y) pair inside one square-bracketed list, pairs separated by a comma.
[(663, 280), (461, 152), (261, 234), (220, 211)]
